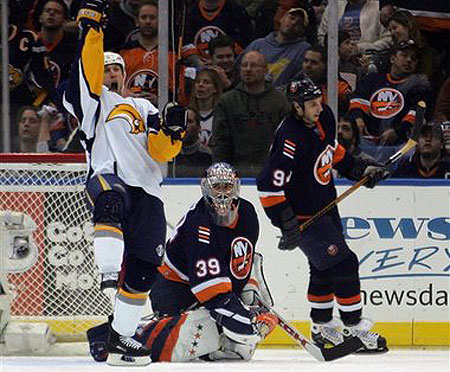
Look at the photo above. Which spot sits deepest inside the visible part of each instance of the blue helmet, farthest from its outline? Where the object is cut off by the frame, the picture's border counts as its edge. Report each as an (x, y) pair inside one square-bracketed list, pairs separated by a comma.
[(303, 90)]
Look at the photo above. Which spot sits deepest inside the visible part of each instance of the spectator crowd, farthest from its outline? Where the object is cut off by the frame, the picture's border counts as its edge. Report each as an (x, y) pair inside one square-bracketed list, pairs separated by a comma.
[(230, 62)]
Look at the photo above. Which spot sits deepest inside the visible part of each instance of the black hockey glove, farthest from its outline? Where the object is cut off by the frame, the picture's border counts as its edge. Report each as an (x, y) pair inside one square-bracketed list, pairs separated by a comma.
[(375, 174), (290, 231), (174, 121), (93, 12)]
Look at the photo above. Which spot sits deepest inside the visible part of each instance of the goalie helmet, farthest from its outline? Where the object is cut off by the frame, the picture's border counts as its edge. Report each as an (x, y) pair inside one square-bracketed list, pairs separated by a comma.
[(303, 90), (220, 189)]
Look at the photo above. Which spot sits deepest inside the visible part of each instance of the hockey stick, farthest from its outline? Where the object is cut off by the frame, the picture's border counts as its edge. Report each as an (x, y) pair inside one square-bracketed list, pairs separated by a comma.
[(410, 144), (349, 346)]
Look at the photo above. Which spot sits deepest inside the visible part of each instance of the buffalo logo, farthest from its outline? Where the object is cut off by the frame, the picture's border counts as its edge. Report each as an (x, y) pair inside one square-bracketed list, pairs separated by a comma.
[(241, 257), (15, 77), (204, 36), (130, 114), (143, 81), (332, 250), (386, 103), (324, 163)]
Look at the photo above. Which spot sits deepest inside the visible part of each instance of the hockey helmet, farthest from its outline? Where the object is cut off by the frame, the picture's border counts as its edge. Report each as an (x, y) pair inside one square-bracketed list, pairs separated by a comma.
[(303, 90), (220, 189), (111, 58)]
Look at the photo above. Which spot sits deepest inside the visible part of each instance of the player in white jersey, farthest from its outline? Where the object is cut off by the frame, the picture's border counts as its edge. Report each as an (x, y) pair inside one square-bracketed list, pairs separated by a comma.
[(123, 138)]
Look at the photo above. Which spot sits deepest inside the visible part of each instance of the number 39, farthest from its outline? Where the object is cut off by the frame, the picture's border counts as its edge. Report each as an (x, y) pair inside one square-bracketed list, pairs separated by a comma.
[(204, 267)]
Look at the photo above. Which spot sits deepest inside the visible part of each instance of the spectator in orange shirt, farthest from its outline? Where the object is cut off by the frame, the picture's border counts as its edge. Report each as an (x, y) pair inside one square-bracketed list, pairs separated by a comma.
[(140, 54)]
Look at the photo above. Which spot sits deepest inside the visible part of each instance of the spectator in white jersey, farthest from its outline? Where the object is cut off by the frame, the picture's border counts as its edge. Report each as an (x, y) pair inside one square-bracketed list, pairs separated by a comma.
[(208, 88), (123, 138)]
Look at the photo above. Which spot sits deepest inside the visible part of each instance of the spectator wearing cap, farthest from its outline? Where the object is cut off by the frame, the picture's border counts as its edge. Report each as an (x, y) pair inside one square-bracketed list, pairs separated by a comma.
[(310, 29), (402, 27), (246, 117), (284, 49), (384, 103), (361, 19), (428, 161)]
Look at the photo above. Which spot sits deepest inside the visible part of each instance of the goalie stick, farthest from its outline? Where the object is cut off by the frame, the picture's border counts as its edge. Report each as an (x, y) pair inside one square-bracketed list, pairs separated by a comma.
[(349, 346), (410, 144)]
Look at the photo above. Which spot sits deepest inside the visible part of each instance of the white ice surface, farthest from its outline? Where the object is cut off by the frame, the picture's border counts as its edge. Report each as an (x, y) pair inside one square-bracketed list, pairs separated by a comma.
[(271, 360)]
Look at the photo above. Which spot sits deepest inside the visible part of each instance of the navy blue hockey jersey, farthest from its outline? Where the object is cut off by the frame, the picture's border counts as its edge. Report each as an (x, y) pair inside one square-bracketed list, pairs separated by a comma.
[(388, 103), (298, 171), (212, 259)]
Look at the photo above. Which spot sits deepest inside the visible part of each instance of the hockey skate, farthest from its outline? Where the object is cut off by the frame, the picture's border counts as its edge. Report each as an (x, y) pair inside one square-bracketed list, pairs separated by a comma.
[(125, 351), (327, 334), (108, 285), (373, 342)]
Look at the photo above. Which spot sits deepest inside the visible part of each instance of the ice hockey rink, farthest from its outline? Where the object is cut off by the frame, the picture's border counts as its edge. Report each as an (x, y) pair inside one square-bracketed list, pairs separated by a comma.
[(273, 360)]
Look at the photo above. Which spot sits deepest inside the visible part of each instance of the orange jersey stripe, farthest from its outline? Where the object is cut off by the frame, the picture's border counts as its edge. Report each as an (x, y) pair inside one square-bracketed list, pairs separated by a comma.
[(349, 300), (409, 118), (324, 298), (213, 291), (270, 201), (169, 274), (171, 341), (339, 154), (359, 105)]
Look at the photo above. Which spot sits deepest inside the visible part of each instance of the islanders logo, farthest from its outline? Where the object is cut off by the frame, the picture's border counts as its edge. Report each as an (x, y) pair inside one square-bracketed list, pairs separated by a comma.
[(204, 36), (130, 115), (143, 81), (241, 257), (323, 165), (386, 103)]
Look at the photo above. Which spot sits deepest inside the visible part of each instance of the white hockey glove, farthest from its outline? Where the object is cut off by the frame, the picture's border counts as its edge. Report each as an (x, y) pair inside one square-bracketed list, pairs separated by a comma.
[(256, 285), (174, 121)]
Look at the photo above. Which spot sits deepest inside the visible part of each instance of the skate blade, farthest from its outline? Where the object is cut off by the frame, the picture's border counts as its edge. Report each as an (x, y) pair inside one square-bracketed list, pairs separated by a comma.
[(127, 360), (372, 351)]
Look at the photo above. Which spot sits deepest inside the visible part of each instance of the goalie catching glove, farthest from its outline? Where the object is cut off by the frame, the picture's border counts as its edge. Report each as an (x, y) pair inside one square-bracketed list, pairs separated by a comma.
[(174, 121)]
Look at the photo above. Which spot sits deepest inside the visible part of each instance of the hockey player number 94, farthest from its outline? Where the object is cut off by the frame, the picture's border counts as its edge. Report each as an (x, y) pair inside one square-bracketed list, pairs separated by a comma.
[(211, 266), (280, 178)]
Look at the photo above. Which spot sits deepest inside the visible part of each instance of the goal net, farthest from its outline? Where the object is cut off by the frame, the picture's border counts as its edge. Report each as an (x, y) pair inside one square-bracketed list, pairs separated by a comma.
[(47, 252)]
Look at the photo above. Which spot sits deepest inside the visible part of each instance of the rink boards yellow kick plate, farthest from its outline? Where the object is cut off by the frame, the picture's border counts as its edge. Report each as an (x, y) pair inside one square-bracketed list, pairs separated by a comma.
[(397, 334)]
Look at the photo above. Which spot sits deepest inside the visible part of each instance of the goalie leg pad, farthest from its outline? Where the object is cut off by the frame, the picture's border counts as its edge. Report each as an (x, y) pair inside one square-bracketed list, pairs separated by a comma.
[(230, 349)]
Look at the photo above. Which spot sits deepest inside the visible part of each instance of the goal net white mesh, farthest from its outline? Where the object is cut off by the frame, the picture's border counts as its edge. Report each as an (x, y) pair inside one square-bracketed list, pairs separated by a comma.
[(52, 275)]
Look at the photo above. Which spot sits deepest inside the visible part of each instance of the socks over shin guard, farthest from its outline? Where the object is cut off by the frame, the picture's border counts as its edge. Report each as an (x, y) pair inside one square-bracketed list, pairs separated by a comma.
[(108, 248), (128, 311)]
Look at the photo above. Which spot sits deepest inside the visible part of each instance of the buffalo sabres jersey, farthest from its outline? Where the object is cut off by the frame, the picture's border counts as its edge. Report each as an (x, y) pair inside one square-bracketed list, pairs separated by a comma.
[(299, 168), (114, 130), (387, 103), (212, 259)]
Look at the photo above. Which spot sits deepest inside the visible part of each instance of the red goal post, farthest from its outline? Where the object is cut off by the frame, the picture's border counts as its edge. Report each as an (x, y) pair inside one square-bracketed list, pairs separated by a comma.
[(46, 241)]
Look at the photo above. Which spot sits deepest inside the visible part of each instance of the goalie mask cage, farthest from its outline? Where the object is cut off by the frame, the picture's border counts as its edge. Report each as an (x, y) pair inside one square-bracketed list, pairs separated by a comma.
[(54, 279)]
